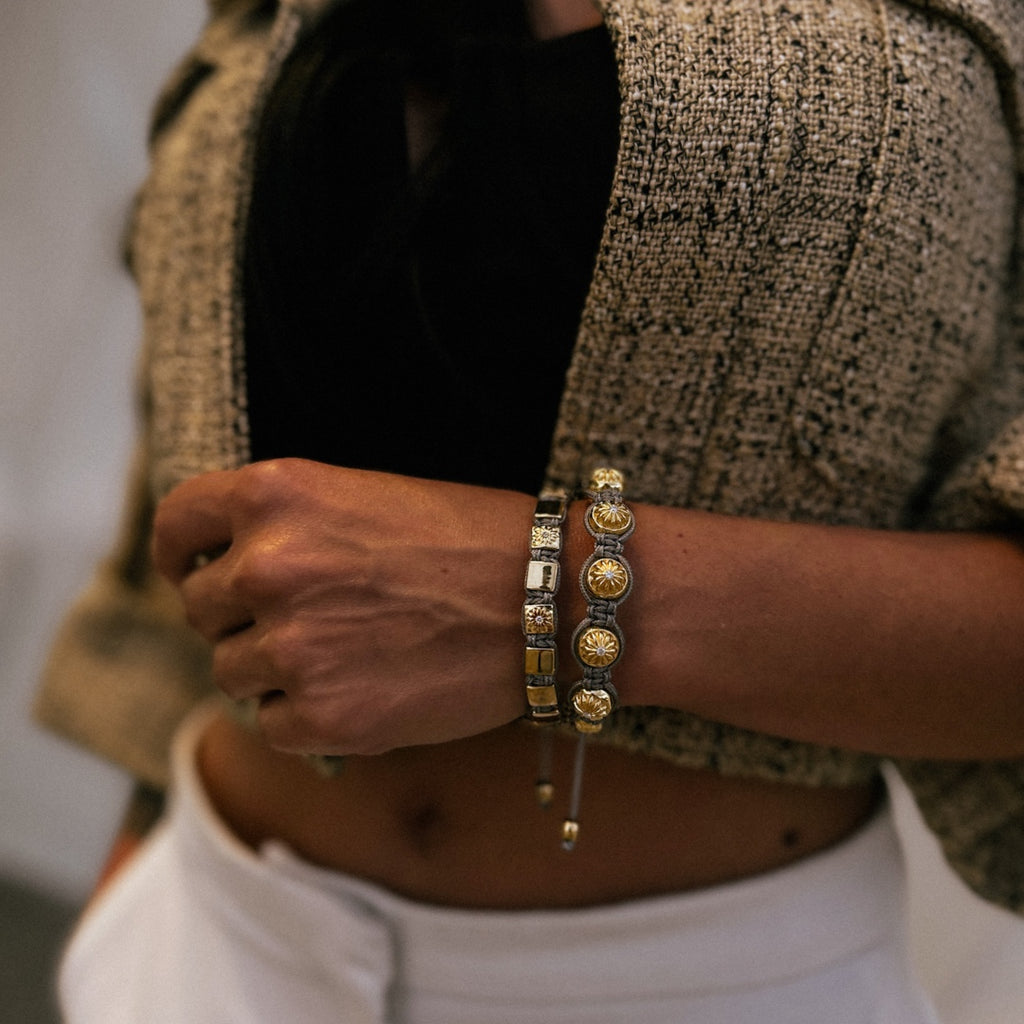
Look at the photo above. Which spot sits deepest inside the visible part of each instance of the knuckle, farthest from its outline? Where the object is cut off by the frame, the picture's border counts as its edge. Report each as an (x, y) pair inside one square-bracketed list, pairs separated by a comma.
[(299, 732), (261, 486), (257, 573), (358, 730), (254, 491), (307, 728), (285, 654), (226, 677), (334, 728)]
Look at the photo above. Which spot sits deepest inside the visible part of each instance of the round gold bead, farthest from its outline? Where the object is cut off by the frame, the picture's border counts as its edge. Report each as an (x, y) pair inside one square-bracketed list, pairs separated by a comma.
[(597, 647), (607, 578), (611, 517), (592, 705), (606, 479)]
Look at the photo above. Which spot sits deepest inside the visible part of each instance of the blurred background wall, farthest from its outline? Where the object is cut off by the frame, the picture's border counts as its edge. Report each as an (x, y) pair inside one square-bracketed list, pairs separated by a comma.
[(76, 82)]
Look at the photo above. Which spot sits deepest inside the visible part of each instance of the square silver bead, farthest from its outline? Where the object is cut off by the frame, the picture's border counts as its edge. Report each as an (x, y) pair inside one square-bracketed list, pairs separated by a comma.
[(542, 576), (551, 506)]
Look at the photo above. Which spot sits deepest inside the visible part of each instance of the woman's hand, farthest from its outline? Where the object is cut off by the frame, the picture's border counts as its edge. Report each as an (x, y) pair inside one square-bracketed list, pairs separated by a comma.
[(363, 611)]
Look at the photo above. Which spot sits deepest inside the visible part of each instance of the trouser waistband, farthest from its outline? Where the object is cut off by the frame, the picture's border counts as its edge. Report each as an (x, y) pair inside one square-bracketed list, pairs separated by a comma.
[(760, 930)]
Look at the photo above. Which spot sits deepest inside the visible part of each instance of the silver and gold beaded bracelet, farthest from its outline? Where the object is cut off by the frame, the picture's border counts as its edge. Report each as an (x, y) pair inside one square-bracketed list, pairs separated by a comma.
[(540, 626)]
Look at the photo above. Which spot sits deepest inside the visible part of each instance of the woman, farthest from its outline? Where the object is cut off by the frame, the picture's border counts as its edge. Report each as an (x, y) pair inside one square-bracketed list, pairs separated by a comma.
[(762, 260)]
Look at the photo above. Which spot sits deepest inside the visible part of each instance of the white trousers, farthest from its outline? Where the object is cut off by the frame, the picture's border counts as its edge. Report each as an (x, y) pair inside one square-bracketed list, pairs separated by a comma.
[(199, 929)]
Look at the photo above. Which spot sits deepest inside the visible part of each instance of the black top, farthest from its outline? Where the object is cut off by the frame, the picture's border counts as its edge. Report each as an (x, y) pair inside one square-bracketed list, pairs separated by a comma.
[(422, 323)]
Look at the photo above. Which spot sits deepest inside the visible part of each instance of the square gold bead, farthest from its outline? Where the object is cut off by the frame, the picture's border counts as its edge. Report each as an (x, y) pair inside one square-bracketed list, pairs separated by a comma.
[(551, 507), (542, 576), (538, 716), (540, 661), (541, 696)]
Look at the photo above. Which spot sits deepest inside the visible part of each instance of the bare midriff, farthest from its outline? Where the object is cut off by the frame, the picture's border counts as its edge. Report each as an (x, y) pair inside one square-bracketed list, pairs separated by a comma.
[(458, 824)]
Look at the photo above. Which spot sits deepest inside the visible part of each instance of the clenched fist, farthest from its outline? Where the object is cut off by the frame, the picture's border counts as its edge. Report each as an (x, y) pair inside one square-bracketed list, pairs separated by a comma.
[(363, 611)]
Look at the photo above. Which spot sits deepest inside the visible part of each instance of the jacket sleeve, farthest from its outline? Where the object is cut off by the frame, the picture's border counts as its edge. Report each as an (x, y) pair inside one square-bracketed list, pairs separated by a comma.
[(124, 668), (975, 809)]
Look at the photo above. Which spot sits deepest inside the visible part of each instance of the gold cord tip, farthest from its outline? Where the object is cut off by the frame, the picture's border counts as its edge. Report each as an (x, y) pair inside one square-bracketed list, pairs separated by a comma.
[(570, 834), (545, 793)]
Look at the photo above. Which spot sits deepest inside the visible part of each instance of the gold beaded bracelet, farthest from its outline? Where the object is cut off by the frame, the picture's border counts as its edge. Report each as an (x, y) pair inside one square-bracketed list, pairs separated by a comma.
[(605, 580)]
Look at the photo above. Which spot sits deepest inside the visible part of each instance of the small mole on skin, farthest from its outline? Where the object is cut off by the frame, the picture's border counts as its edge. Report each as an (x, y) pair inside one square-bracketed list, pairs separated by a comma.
[(422, 825)]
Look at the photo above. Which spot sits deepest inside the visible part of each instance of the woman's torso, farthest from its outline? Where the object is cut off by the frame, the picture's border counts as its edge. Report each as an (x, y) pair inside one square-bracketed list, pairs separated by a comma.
[(458, 824)]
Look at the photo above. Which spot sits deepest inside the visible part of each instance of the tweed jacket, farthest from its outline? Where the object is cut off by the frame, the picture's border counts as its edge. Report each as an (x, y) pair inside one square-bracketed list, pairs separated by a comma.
[(807, 305)]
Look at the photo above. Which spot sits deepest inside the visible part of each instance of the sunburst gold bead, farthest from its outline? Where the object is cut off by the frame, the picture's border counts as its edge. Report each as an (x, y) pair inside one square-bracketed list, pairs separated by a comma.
[(547, 538), (593, 705), (607, 578), (606, 479), (538, 618), (598, 647), (611, 517)]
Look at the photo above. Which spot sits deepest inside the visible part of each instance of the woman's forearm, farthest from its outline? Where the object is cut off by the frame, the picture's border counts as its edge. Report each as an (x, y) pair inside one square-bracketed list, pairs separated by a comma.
[(906, 644), (367, 611)]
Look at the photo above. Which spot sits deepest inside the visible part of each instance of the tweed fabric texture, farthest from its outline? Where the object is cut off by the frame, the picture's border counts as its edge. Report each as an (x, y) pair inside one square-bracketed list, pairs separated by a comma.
[(807, 305)]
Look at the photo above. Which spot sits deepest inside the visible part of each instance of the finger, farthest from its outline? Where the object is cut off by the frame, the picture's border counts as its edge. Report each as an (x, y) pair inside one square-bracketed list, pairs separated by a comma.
[(285, 727), (213, 607), (240, 671), (193, 523)]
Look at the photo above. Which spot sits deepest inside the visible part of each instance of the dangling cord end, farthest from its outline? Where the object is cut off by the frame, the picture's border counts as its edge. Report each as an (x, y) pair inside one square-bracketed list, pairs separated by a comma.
[(544, 788), (571, 825)]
